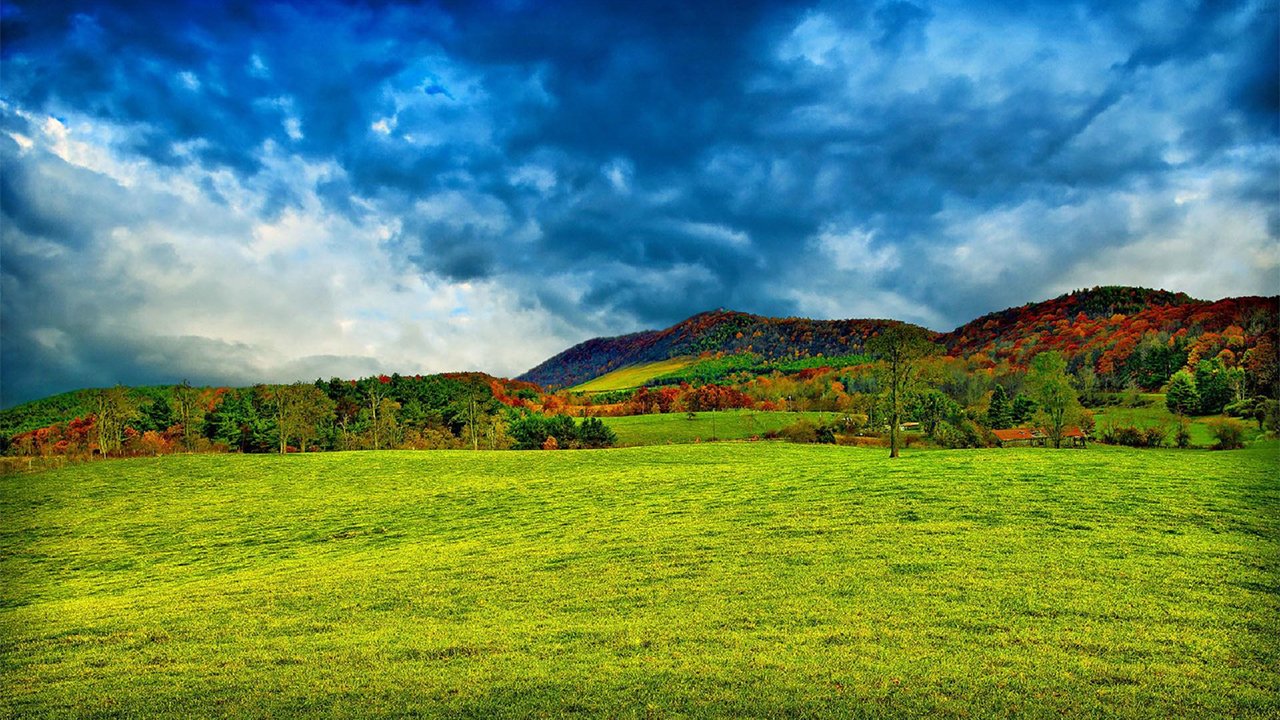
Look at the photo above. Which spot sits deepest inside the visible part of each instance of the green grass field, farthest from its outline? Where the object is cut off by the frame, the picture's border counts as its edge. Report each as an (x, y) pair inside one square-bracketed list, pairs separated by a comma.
[(714, 580), (659, 429), (1157, 414), (633, 376)]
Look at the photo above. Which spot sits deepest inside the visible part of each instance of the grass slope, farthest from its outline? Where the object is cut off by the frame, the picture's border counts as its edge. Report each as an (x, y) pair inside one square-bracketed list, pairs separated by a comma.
[(743, 580), (660, 429), (1156, 414), (633, 376)]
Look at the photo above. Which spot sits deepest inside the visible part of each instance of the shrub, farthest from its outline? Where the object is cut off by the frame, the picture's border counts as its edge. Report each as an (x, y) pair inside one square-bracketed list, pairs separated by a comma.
[(1133, 436), (550, 443), (593, 433), (1244, 408), (533, 431), (852, 423), (964, 434), (800, 431), (1087, 423), (1154, 436), (1182, 434), (1271, 416), (1229, 433), (1128, 435)]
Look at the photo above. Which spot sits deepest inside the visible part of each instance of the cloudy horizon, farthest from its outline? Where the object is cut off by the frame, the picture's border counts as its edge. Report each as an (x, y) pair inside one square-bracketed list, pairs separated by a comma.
[(257, 192)]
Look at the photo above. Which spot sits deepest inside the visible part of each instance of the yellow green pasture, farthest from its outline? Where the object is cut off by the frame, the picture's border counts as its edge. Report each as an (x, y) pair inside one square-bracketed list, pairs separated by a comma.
[(743, 580), (634, 376)]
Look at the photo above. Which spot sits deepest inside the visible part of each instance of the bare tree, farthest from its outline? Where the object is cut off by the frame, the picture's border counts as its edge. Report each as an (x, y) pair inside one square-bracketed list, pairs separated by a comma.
[(113, 409), (185, 402)]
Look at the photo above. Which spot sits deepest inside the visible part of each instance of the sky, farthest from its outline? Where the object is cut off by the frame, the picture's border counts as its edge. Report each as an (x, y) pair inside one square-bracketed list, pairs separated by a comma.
[(246, 192)]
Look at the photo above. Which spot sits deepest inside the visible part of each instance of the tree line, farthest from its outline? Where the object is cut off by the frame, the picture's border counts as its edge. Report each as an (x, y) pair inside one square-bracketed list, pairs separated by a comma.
[(374, 413)]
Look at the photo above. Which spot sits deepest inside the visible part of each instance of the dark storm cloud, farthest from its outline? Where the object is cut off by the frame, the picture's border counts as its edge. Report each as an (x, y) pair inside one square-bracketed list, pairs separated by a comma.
[(623, 164)]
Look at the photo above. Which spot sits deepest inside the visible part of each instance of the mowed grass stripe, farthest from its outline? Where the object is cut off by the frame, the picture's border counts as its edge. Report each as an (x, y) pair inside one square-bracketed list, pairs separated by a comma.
[(633, 376), (745, 580)]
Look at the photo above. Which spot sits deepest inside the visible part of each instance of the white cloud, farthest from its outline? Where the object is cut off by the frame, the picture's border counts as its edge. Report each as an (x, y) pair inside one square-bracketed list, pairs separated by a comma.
[(619, 172), (218, 291), (258, 67), (535, 176), (713, 233), (852, 250), (1212, 247)]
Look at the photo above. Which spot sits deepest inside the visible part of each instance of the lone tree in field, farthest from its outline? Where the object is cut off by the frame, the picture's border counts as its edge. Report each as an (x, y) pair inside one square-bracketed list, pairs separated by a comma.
[(1055, 398), (900, 347)]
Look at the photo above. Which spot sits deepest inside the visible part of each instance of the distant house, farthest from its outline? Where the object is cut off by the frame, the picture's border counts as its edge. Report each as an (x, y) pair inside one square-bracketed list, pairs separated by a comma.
[(1015, 437), (1072, 436)]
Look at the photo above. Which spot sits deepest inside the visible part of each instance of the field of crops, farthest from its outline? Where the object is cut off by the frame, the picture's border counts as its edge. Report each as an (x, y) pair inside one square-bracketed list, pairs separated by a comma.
[(711, 580)]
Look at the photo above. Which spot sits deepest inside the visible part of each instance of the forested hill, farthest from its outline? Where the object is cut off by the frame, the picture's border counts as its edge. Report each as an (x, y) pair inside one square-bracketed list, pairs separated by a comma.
[(715, 331), (1124, 333)]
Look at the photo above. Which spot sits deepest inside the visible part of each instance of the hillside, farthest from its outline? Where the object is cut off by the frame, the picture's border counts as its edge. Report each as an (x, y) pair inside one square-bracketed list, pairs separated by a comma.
[(1110, 325), (719, 331), (1124, 333)]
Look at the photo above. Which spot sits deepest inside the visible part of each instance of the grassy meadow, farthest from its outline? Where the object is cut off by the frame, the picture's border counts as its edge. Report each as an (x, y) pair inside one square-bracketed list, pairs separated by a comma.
[(1156, 414), (730, 579), (633, 376)]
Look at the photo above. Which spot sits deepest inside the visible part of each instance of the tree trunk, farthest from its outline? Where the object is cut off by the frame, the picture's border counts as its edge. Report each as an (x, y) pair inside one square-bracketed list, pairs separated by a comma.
[(893, 409)]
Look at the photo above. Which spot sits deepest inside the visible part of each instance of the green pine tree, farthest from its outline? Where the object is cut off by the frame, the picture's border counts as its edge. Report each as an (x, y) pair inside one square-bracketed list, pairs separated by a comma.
[(1181, 396), (999, 413)]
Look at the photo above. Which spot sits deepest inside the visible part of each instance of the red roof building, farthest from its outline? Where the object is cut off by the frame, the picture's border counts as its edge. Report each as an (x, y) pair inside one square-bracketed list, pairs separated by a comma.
[(1032, 437), (1014, 435)]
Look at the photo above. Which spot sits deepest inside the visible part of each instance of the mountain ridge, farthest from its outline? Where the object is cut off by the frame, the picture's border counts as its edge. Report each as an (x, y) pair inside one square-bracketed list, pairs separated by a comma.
[(1081, 322), (725, 331)]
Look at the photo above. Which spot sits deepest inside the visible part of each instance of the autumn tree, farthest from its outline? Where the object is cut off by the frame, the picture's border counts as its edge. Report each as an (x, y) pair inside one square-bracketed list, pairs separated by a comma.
[(1051, 388), (184, 402), (305, 408), (113, 408), (900, 348), (386, 425), (1261, 366)]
